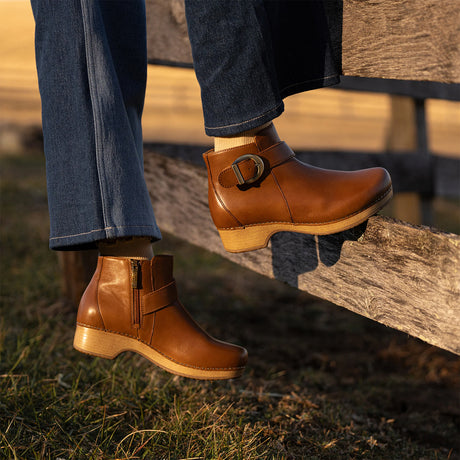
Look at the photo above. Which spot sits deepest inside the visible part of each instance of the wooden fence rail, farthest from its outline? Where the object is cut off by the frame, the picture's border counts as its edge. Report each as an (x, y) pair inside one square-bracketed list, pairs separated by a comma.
[(392, 39)]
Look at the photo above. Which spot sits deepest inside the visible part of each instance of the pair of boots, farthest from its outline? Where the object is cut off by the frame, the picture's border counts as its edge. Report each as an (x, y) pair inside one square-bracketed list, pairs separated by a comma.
[(255, 190)]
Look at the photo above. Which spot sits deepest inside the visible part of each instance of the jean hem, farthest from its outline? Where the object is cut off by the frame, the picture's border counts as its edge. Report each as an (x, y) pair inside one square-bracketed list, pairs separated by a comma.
[(88, 240), (254, 122), (309, 85), (266, 116)]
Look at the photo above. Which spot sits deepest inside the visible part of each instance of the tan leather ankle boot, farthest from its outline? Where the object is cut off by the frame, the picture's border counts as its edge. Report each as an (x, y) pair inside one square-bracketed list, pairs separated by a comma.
[(132, 305), (259, 189)]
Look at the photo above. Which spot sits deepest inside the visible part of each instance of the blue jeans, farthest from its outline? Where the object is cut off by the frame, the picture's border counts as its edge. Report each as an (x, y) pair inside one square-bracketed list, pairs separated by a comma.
[(91, 63), (250, 54)]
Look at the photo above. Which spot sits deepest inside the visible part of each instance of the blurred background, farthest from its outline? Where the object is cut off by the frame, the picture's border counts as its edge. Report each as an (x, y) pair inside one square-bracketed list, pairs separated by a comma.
[(322, 119)]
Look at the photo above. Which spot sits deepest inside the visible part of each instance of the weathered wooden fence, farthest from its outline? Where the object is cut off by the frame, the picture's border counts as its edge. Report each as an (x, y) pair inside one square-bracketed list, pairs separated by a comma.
[(401, 275), (393, 39)]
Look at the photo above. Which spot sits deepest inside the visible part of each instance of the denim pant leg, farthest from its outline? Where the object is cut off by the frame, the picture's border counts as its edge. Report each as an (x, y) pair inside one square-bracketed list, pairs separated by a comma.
[(91, 63), (250, 54), (233, 61)]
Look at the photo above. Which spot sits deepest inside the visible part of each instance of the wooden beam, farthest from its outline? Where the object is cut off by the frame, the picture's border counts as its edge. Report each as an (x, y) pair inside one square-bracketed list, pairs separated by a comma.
[(408, 40), (403, 276), (167, 36), (407, 132)]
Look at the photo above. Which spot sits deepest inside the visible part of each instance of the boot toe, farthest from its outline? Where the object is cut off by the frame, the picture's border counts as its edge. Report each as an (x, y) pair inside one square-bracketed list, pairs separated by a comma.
[(379, 180), (376, 187), (231, 356)]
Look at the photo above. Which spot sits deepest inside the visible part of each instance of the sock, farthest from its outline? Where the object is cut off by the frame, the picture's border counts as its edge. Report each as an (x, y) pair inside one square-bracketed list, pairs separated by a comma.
[(244, 138), (134, 247)]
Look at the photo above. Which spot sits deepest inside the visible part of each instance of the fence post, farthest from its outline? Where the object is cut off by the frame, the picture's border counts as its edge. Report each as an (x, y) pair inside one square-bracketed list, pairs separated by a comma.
[(77, 268)]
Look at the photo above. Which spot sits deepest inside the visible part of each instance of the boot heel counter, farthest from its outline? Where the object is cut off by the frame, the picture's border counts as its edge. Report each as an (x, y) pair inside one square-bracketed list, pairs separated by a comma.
[(221, 217), (88, 310)]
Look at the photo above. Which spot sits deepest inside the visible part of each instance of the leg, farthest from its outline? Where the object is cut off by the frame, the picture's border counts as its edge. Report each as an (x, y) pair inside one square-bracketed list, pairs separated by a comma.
[(250, 54), (91, 61), (230, 41), (256, 185)]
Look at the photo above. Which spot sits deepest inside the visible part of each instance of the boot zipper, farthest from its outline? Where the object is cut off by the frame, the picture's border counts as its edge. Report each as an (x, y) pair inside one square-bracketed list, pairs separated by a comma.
[(136, 285)]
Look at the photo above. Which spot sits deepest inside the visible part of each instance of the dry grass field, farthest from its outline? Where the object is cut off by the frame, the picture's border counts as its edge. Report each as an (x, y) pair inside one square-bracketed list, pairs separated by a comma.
[(322, 382)]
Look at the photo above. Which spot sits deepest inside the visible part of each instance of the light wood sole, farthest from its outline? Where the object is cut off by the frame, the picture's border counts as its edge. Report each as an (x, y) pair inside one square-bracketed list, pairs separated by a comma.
[(109, 345), (257, 236)]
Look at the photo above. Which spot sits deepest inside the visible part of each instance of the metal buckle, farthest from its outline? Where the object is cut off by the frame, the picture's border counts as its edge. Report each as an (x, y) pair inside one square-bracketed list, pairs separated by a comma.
[(259, 166)]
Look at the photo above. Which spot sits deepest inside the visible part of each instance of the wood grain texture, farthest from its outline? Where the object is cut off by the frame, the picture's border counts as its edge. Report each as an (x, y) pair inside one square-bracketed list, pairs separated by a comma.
[(393, 39), (404, 39), (403, 276), (167, 36)]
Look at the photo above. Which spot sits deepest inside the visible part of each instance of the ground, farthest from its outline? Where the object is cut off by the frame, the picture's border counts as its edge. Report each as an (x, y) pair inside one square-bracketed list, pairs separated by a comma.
[(322, 382)]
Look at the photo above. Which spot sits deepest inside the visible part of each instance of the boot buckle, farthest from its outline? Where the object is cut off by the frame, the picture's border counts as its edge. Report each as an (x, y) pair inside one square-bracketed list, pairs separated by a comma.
[(259, 163)]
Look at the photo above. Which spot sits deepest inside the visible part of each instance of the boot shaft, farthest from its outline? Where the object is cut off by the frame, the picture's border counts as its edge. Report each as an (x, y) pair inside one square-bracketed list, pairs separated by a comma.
[(132, 305), (113, 299)]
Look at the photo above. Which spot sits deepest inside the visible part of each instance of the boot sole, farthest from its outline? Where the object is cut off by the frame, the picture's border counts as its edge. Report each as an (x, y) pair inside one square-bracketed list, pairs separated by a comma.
[(257, 236), (109, 345)]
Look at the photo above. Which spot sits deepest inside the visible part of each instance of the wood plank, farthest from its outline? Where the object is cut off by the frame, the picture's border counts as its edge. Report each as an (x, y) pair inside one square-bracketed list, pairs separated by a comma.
[(167, 36), (392, 39), (412, 88), (403, 276), (408, 40)]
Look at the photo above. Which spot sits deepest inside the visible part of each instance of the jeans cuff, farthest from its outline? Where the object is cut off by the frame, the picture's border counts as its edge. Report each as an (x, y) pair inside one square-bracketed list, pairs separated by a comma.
[(88, 240), (236, 128)]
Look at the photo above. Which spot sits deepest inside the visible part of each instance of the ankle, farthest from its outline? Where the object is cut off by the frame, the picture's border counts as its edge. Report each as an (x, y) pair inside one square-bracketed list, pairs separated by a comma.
[(134, 247), (243, 138)]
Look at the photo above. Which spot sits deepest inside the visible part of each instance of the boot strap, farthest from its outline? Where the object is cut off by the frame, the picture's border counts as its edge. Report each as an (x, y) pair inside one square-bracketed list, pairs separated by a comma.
[(161, 298), (246, 169)]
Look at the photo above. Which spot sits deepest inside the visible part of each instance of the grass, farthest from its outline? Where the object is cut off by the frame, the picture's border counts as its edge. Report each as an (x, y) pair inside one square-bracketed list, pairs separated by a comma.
[(322, 383)]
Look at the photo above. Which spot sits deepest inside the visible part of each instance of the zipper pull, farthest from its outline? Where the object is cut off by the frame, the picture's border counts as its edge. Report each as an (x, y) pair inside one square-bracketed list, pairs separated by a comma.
[(136, 274)]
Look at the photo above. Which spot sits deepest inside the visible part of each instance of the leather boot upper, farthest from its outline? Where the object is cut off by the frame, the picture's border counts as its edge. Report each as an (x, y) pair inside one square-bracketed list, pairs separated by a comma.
[(287, 189), (138, 299)]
